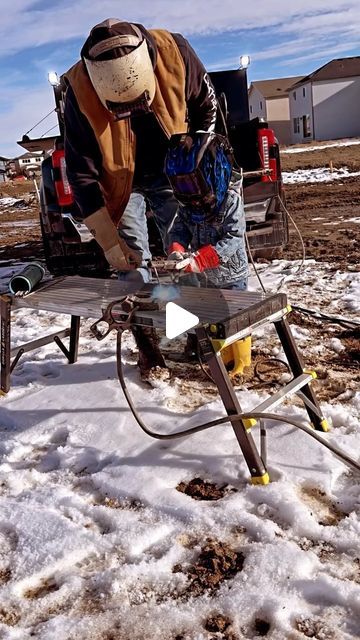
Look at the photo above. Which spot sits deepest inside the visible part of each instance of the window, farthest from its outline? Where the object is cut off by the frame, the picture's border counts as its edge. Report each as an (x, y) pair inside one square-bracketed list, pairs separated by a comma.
[(296, 122), (260, 104), (250, 108), (304, 92), (294, 95)]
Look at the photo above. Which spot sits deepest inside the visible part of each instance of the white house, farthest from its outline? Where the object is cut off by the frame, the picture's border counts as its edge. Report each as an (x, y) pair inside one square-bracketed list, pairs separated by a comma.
[(325, 104), (269, 99), (28, 162), (3, 162)]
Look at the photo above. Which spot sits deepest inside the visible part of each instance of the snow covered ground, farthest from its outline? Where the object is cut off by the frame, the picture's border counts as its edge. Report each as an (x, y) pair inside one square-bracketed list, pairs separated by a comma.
[(319, 146), (321, 174), (97, 542)]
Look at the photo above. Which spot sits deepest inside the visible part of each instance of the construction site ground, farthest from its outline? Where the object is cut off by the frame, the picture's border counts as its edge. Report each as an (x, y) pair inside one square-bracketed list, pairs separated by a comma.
[(327, 215)]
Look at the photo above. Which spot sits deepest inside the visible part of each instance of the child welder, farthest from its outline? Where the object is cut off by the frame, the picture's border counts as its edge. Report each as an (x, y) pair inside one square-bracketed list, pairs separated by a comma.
[(207, 237)]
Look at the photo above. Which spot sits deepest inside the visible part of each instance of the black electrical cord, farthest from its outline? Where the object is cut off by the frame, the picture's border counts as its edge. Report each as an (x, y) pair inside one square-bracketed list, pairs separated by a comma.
[(325, 317), (42, 120), (214, 423), (268, 361)]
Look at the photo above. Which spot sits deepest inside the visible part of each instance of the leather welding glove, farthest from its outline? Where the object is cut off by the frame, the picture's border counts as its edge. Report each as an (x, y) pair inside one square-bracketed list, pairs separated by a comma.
[(204, 258), (116, 251)]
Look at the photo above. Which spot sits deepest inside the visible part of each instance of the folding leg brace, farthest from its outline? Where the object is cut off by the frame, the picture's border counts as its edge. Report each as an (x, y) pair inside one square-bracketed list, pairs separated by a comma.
[(221, 378), (300, 385), (7, 366)]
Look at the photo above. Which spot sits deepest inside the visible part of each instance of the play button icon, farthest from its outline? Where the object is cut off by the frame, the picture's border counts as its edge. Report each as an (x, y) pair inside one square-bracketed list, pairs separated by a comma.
[(178, 320)]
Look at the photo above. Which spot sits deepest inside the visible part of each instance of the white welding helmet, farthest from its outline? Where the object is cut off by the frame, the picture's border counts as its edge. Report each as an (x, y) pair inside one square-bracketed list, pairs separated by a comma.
[(120, 68)]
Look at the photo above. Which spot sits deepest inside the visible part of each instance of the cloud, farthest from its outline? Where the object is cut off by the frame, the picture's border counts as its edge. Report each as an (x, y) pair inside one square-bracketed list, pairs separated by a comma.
[(27, 24), (37, 35)]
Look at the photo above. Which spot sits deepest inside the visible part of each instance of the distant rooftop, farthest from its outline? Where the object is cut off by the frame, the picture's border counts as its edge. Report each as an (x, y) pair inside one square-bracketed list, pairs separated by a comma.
[(276, 88), (335, 69), (29, 154)]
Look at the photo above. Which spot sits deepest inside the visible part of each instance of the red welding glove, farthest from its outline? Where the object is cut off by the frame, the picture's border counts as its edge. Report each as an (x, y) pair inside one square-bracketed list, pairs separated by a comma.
[(176, 254), (176, 251), (204, 258)]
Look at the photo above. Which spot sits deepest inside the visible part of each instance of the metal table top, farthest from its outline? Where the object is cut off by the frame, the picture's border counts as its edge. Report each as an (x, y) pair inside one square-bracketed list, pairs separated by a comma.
[(89, 297)]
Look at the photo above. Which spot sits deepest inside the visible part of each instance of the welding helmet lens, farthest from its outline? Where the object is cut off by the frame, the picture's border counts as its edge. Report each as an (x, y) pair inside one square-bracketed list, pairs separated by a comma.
[(199, 175)]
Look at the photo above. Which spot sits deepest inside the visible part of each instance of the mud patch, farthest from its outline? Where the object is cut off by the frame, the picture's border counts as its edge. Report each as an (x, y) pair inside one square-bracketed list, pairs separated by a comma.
[(314, 628), (126, 504), (322, 507), (221, 626), (324, 550), (5, 575), (10, 617), (46, 586), (261, 627), (200, 489), (351, 341), (216, 563)]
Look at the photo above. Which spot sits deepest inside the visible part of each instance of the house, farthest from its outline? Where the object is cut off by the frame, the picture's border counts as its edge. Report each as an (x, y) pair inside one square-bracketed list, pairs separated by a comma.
[(325, 104), (269, 99), (3, 163), (27, 163)]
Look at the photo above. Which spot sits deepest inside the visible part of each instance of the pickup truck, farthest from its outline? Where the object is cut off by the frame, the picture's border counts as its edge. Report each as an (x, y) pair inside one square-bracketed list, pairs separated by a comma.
[(70, 249)]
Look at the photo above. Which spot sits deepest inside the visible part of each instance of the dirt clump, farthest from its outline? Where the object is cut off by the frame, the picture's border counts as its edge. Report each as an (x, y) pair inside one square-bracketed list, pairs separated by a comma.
[(351, 341), (220, 626), (200, 489), (216, 562)]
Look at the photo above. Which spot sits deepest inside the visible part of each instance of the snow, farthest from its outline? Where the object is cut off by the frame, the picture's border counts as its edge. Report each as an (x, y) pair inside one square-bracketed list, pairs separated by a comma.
[(337, 143), (91, 522), (321, 174)]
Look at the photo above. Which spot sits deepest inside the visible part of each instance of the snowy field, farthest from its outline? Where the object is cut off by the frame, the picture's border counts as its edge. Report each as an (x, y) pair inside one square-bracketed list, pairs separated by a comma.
[(326, 145), (97, 542), (322, 174)]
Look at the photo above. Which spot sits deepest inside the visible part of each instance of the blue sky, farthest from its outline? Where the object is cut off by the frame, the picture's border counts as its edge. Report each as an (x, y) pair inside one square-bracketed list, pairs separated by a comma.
[(283, 38)]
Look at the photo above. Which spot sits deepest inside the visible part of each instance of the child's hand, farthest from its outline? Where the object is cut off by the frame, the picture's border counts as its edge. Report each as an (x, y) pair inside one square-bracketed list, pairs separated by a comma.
[(204, 258), (176, 254)]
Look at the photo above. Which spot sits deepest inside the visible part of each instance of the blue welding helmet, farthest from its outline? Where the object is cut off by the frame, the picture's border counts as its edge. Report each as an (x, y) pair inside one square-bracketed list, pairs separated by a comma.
[(198, 168)]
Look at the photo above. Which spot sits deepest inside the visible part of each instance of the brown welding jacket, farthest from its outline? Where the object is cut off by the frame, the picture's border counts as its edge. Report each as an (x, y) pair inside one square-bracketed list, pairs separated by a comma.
[(115, 139)]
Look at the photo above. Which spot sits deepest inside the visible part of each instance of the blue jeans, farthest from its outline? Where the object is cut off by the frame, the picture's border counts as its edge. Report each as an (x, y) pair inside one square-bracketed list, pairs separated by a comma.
[(133, 225), (198, 280), (240, 285)]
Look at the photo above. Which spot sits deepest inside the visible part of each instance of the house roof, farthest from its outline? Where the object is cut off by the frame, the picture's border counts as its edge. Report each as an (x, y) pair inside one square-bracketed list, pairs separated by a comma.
[(276, 88), (29, 154), (335, 69)]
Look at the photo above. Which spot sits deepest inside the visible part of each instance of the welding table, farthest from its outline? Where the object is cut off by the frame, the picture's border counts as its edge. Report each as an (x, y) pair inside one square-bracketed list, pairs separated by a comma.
[(223, 315)]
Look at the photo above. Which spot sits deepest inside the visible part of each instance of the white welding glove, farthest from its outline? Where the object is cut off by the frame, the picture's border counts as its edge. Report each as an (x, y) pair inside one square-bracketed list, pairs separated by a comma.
[(116, 251)]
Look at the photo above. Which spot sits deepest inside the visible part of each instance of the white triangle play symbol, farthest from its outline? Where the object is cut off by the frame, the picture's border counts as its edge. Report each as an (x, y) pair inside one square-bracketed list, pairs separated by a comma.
[(178, 320)]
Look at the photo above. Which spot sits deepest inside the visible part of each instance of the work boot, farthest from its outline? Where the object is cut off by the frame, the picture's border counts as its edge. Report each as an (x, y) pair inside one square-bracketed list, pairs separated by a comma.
[(150, 361)]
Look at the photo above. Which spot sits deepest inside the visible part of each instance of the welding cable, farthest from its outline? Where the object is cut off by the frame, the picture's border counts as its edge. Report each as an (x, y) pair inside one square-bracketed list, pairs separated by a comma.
[(349, 324), (350, 462), (269, 361), (253, 264), (303, 250)]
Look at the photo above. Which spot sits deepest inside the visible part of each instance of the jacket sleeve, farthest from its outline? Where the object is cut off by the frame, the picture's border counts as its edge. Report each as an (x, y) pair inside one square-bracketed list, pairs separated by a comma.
[(83, 158), (200, 93), (233, 236)]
